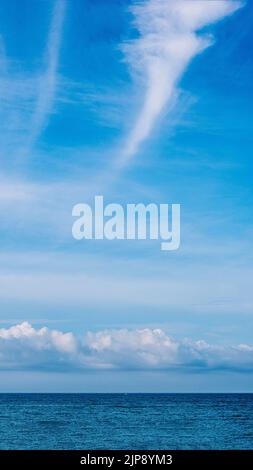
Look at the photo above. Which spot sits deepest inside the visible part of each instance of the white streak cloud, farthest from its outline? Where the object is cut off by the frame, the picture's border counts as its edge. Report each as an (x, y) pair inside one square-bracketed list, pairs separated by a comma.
[(48, 80), (169, 38), (24, 347)]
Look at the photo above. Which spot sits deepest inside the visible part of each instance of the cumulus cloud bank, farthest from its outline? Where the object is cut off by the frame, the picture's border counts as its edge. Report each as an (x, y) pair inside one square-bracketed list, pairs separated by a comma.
[(169, 38), (25, 347)]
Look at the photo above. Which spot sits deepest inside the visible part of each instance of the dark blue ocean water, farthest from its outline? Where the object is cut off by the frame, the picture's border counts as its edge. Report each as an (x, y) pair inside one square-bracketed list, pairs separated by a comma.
[(132, 421)]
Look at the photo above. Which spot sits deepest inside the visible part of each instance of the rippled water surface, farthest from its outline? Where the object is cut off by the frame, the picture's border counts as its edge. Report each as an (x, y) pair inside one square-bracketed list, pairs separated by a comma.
[(131, 421)]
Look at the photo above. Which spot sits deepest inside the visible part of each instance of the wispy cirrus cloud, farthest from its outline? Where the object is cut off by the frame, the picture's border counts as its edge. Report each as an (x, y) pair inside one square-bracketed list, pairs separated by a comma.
[(27, 99), (48, 80), (24, 347), (169, 38)]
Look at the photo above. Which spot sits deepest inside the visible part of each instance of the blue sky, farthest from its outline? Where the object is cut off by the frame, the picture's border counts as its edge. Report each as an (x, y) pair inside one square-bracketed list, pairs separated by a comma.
[(141, 102)]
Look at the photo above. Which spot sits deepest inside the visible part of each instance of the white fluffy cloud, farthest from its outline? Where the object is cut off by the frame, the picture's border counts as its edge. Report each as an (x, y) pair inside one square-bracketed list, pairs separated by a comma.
[(169, 38), (24, 347)]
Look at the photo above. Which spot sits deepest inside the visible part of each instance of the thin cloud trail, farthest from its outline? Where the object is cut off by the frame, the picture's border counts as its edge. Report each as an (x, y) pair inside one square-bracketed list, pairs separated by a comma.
[(169, 39), (48, 81)]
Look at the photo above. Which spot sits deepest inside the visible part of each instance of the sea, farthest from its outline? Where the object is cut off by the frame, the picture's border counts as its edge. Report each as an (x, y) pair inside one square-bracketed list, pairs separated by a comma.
[(126, 421)]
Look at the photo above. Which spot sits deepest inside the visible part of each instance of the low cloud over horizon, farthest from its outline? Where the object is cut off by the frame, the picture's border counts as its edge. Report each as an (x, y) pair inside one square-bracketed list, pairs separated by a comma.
[(23, 347)]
